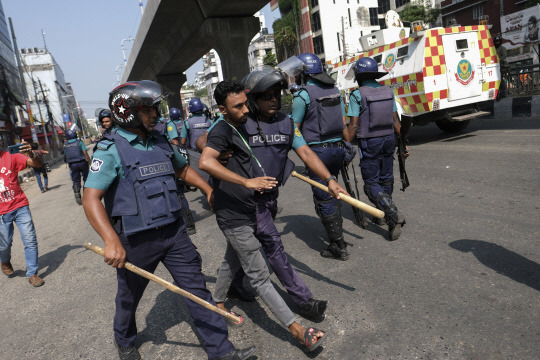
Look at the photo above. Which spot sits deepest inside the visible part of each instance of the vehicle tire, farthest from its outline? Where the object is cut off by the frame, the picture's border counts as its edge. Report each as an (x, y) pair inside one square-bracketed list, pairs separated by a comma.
[(452, 126)]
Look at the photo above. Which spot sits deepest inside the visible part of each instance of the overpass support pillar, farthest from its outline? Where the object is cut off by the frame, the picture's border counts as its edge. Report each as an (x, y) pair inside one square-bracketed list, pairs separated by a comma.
[(230, 37), (172, 84)]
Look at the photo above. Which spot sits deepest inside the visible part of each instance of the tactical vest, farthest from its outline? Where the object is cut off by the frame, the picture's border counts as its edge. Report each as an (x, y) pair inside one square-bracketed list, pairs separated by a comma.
[(160, 127), (179, 125), (323, 119), (271, 145), (197, 126), (376, 117), (73, 152), (147, 197)]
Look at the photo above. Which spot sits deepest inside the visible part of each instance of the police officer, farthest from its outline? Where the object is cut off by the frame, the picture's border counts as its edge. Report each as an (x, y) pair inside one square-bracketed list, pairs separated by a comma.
[(104, 119), (374, 120), (272, 135), (170, 128), (76, 156), (294, 88), (134, 171), (176, 116), (196, 125), (319, 111)]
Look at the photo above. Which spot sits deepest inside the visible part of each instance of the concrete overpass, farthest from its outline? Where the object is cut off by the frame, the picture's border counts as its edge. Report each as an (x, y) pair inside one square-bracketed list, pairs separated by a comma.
[(174, 34)]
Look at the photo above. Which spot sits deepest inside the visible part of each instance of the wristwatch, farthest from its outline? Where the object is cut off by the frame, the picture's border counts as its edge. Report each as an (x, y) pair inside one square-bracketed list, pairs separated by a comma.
[(330, 178)]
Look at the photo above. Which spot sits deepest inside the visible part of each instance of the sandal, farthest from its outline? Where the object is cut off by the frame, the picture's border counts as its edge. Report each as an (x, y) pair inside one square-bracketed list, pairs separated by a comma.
[(231, 322), (308, 339)]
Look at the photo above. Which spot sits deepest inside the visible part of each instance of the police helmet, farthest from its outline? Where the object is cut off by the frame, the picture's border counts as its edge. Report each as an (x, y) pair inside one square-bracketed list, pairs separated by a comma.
[(71, 134), (367, 68), (260, 80), (313, 67), (104, 113), (174, 114), (312, 63), (126, 99), (195, 105)]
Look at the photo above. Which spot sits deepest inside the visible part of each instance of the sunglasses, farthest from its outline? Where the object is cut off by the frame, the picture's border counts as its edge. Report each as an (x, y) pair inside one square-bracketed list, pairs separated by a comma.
[(269, 95)]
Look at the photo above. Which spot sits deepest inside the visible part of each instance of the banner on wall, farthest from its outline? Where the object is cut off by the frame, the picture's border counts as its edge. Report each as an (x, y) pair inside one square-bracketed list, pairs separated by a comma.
[(521, 28)]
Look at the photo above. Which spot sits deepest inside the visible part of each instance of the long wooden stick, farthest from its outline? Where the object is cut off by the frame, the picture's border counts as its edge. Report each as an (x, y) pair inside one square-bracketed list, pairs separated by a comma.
[(348, 199), (168, 285)]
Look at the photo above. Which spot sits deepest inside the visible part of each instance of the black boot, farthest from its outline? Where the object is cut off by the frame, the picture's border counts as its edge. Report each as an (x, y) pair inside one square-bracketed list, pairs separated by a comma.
[(127, 353), (313, 309), (393, 217), (237, 354), (333, 225), (77, 192)]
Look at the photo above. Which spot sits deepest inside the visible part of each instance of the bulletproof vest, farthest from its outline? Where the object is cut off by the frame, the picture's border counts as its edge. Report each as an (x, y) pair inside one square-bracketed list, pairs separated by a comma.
[(376, 117), (179, 125), (147, 197), (271, 145), (160, 127), (323, 119), (73, 152), (197, 126)]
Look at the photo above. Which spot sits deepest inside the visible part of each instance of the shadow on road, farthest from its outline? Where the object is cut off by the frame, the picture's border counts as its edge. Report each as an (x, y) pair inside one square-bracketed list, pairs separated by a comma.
[(53, 259), (54, 187), (503, 261)]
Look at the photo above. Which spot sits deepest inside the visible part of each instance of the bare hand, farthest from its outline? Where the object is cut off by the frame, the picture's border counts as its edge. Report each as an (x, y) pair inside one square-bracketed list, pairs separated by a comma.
[(261, 183), (114, 254), (210, 199), (224, 156), (336, 189)]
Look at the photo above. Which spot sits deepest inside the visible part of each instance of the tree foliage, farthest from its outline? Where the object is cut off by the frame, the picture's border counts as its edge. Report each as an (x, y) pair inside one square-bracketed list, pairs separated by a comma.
[(270, 59), (420, 10), (201, 93), (285, 38)]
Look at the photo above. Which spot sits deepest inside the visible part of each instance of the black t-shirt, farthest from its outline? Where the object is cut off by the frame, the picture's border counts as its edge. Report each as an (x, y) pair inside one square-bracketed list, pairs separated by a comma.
[(234, 204)]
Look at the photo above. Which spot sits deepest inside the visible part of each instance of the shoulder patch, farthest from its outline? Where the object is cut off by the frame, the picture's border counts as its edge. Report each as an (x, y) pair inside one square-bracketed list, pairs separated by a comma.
[(96, 165), (297, 132), (169, 128)]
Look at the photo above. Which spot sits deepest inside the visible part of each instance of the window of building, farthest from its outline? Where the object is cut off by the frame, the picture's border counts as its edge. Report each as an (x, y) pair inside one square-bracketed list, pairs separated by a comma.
[(373, 17), (402, 2), (315, 21), (318, 45), (384, 6), (478, 11), (338, 42), (350, 20), (314, 3), (382, 24)]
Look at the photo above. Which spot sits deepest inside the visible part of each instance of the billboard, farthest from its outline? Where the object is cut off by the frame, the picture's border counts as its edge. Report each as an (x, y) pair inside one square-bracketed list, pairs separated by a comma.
[(521, 28)]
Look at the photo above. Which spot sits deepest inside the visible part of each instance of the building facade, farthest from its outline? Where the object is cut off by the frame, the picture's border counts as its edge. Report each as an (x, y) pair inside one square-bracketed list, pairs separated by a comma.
[(212, 75)]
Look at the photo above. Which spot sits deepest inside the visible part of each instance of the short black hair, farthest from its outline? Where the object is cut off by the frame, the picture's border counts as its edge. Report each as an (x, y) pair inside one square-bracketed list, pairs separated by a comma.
[(226, 87), (35, 146)]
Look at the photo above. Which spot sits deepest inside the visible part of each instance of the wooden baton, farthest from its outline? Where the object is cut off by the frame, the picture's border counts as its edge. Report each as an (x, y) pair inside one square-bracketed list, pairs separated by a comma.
[(348, 199), (167, 285)]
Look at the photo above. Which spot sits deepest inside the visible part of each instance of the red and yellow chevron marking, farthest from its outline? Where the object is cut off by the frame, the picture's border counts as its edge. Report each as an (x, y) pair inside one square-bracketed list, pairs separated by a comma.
[(414, 104), (376, 51), (406, 84)]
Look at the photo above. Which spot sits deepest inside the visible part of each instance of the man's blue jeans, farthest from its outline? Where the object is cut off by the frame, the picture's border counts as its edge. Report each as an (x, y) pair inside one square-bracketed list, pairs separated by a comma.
[(23, 218)]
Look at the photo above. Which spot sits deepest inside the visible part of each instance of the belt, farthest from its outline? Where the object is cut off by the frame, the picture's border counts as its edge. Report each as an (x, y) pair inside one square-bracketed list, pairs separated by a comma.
[(328, 144)]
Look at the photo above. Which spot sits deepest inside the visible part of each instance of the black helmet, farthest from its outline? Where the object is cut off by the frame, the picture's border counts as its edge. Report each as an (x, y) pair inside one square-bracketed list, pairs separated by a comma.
[(260, 80), (126, 99)]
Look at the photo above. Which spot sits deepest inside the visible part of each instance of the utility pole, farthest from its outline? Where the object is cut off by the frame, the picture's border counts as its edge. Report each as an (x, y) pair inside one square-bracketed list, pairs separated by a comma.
[(51, 120), (23, 84), (39, 108)]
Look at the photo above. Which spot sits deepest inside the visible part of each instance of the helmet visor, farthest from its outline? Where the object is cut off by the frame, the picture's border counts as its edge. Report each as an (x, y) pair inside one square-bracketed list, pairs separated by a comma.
[(99, 110), (351, 72), (293, 66), (148, 93)]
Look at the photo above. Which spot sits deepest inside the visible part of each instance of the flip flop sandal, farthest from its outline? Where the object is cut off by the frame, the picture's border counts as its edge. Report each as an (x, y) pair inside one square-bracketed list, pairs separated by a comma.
[(308, 339), (231, 322)]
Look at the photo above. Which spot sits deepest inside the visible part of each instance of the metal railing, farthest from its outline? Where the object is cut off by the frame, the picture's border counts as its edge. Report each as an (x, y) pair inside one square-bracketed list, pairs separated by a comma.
[(523, 80)]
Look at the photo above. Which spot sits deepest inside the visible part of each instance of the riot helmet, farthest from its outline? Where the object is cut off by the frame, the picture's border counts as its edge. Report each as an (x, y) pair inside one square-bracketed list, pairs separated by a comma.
[(174, 114), (195, 105), (126, 99), (312, 63), (294, 88), (365, 68), (102, 113), (306, 64), (71, 133), (260, 80)]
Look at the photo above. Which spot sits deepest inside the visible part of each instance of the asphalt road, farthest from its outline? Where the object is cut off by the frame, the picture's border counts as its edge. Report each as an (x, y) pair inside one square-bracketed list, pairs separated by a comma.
[(462, 282)]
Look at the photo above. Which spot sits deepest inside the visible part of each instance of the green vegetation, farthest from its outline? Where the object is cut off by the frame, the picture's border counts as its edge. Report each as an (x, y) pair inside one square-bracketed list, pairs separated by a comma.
[(420, 10), (270, 60)]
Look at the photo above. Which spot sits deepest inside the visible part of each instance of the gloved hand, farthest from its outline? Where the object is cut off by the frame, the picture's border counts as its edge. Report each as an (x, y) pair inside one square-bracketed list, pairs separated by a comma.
[(350, 151)]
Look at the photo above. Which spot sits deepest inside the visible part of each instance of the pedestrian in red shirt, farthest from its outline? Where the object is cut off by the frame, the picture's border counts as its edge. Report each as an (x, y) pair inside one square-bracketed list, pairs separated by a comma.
[(14, 209)]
